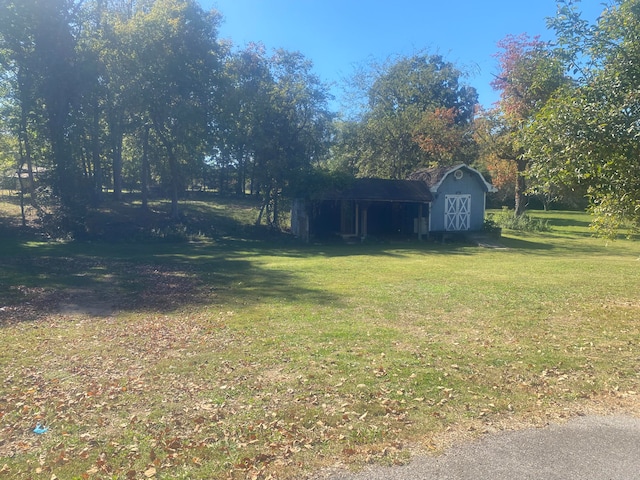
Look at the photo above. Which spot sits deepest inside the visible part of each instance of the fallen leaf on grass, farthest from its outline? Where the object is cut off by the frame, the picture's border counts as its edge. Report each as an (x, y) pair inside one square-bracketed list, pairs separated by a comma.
[(150, 472)]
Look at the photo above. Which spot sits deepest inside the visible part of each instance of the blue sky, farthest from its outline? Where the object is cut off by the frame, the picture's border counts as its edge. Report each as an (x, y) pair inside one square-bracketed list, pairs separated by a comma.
[(338, 34)]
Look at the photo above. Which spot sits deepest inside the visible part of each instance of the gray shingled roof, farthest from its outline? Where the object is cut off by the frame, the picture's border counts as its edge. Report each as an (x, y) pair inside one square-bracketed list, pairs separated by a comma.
[(382, 190), (430, 175), (434, 176)]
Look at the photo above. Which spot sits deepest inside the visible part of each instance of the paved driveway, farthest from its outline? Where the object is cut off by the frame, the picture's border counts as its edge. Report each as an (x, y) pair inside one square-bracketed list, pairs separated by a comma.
[(586, 448)]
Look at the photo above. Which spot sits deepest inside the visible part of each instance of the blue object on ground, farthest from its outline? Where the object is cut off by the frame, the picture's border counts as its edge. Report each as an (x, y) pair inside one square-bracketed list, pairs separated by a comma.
[(40, 429)]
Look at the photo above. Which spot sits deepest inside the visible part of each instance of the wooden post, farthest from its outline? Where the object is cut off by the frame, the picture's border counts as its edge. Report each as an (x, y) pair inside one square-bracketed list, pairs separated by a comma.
[(420, 222), (364, 222)]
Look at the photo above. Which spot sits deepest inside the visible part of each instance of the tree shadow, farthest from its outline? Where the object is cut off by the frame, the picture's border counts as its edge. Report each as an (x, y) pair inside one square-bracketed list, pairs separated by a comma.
[(101, 280), (393, 248), (530, 245)]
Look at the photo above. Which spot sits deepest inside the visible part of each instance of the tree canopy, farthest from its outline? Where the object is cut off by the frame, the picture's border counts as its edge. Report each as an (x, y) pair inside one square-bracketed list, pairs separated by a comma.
[(418, 113), (589, 131), (528, 76), (102, 96), (107, 94)]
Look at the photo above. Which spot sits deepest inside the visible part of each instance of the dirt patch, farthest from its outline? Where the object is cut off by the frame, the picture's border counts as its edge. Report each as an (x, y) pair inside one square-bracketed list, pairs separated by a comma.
[(36, 304), (98, 289), (487, 241), (86, 303), (41, 303)]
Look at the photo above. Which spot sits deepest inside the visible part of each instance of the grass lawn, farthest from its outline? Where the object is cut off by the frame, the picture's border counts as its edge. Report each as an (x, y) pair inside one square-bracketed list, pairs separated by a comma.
[(230, 358)]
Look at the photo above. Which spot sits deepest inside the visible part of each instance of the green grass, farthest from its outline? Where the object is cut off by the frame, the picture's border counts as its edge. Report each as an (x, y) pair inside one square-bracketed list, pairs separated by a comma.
[(233, 358)]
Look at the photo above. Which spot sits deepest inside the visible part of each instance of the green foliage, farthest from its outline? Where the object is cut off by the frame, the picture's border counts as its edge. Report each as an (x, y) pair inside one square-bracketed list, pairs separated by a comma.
[(507, 219), (529, 75), (588, 133), (8, 151), (173, 67), (490, 226), (42, 88), (87, 81), (279, 129), (418, 112), (175, 233), (317, 181), (112, 94), (151, 104)]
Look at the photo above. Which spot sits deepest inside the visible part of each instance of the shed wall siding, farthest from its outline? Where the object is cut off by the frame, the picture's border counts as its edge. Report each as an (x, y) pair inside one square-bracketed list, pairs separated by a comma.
[(468, 184)]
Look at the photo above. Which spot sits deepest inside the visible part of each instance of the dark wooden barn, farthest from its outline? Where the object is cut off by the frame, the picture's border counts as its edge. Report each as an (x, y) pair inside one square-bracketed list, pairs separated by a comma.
[(434, 200)]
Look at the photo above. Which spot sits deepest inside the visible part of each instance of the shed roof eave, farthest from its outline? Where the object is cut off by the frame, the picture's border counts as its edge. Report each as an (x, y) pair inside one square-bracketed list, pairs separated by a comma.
[(489, 188)]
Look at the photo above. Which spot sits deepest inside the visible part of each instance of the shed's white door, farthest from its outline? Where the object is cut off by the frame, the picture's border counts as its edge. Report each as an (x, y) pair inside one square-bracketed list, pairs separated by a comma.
[(457, 212)]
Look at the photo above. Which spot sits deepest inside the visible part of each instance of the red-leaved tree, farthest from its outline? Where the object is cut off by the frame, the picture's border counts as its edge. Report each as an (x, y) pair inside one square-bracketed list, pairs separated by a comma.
[(528, 76)]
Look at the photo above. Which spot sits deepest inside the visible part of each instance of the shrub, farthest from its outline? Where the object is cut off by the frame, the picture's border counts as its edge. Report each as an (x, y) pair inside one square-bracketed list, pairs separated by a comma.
[(523, 223), (491, 227), (173, 233)]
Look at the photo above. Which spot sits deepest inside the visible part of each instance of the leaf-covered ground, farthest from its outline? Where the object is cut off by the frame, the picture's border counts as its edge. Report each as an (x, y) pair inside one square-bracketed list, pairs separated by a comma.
[(249, 360)]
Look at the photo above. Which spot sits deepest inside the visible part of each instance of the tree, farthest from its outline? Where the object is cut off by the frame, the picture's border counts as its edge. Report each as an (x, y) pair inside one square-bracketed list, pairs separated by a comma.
[(418, 113), (246, 86), (173, 68), (350, 148), (442, 136), (117, 88), (495, 144), (292, 131), (55, 41), (39, 44), (82, 83), (18, 87), (590, 133), (274, 124), (528, 76)]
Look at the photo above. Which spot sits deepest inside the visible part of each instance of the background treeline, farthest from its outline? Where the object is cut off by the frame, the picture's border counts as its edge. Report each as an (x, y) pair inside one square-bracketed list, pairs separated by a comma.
[(104, 96)]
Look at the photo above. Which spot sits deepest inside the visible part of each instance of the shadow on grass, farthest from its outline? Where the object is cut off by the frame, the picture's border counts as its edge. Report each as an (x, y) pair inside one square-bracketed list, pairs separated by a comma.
[(99, 280), (531, 245), (392, 248)]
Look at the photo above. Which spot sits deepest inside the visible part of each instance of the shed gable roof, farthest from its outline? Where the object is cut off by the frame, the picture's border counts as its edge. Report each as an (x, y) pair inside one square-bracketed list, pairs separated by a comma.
[(434, 177)]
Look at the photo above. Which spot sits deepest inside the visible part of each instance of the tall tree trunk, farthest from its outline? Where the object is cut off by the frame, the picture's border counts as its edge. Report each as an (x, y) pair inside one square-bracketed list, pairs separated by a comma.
[(144, 178), (276, 209), (97, 162), (116, 146), (174, 168), (242, 174), (175, 181), (175, 212), (54, 47), (520, 205), (21, 193), (65, 174), (264, 205), (25, 158)]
